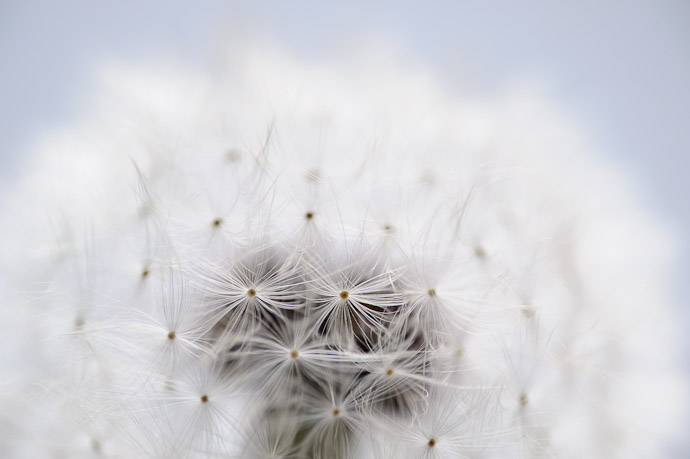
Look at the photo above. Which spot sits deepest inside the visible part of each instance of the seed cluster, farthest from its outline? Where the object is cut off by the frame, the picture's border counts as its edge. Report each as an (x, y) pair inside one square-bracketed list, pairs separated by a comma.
[(310, 342), (375, 272)]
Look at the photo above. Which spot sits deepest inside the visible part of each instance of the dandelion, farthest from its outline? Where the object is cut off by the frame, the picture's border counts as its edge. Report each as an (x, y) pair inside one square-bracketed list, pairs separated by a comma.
[(297, 260)]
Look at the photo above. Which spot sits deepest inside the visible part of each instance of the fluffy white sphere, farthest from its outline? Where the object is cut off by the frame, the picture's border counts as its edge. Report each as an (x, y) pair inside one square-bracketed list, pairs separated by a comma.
[(282, 259)]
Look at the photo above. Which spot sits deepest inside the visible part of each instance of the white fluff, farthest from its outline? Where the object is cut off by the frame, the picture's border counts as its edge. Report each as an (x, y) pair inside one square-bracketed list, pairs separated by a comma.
[(281, 259)]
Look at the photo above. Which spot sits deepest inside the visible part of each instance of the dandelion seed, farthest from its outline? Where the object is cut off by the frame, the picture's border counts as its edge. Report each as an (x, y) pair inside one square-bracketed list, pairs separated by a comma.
[(233, 155), (529, 312), (479, 252), (523, 399), (313, 175)]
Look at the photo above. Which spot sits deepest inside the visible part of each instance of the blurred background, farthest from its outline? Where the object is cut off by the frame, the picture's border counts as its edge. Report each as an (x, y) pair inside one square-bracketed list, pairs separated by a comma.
[(621, 68)]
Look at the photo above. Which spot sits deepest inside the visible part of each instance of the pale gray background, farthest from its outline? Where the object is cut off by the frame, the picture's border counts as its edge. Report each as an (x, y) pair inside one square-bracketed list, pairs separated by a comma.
[(622, 66)]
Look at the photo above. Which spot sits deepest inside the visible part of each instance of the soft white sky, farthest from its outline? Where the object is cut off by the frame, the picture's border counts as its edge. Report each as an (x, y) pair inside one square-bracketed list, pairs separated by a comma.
[(622, 67)]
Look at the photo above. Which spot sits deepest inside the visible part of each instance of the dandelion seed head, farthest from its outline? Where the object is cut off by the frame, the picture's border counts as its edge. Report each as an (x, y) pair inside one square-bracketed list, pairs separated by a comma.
[(329, 338)]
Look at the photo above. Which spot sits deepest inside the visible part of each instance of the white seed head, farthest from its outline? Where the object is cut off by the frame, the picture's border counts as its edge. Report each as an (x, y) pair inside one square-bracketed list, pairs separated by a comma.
[(331, 261)]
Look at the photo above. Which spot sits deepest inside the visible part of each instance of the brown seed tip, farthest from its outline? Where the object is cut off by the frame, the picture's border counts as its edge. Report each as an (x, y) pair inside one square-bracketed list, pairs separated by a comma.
[(432, 442), (479, 252), (529, 312), (336, 412), (144, 272), (523, 399), (344, 294), (294, 354), (389, 372), (204, 398), (217, 221), (171, 335), (233, 154), (309, 215), (432, 292), (251, 292)]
